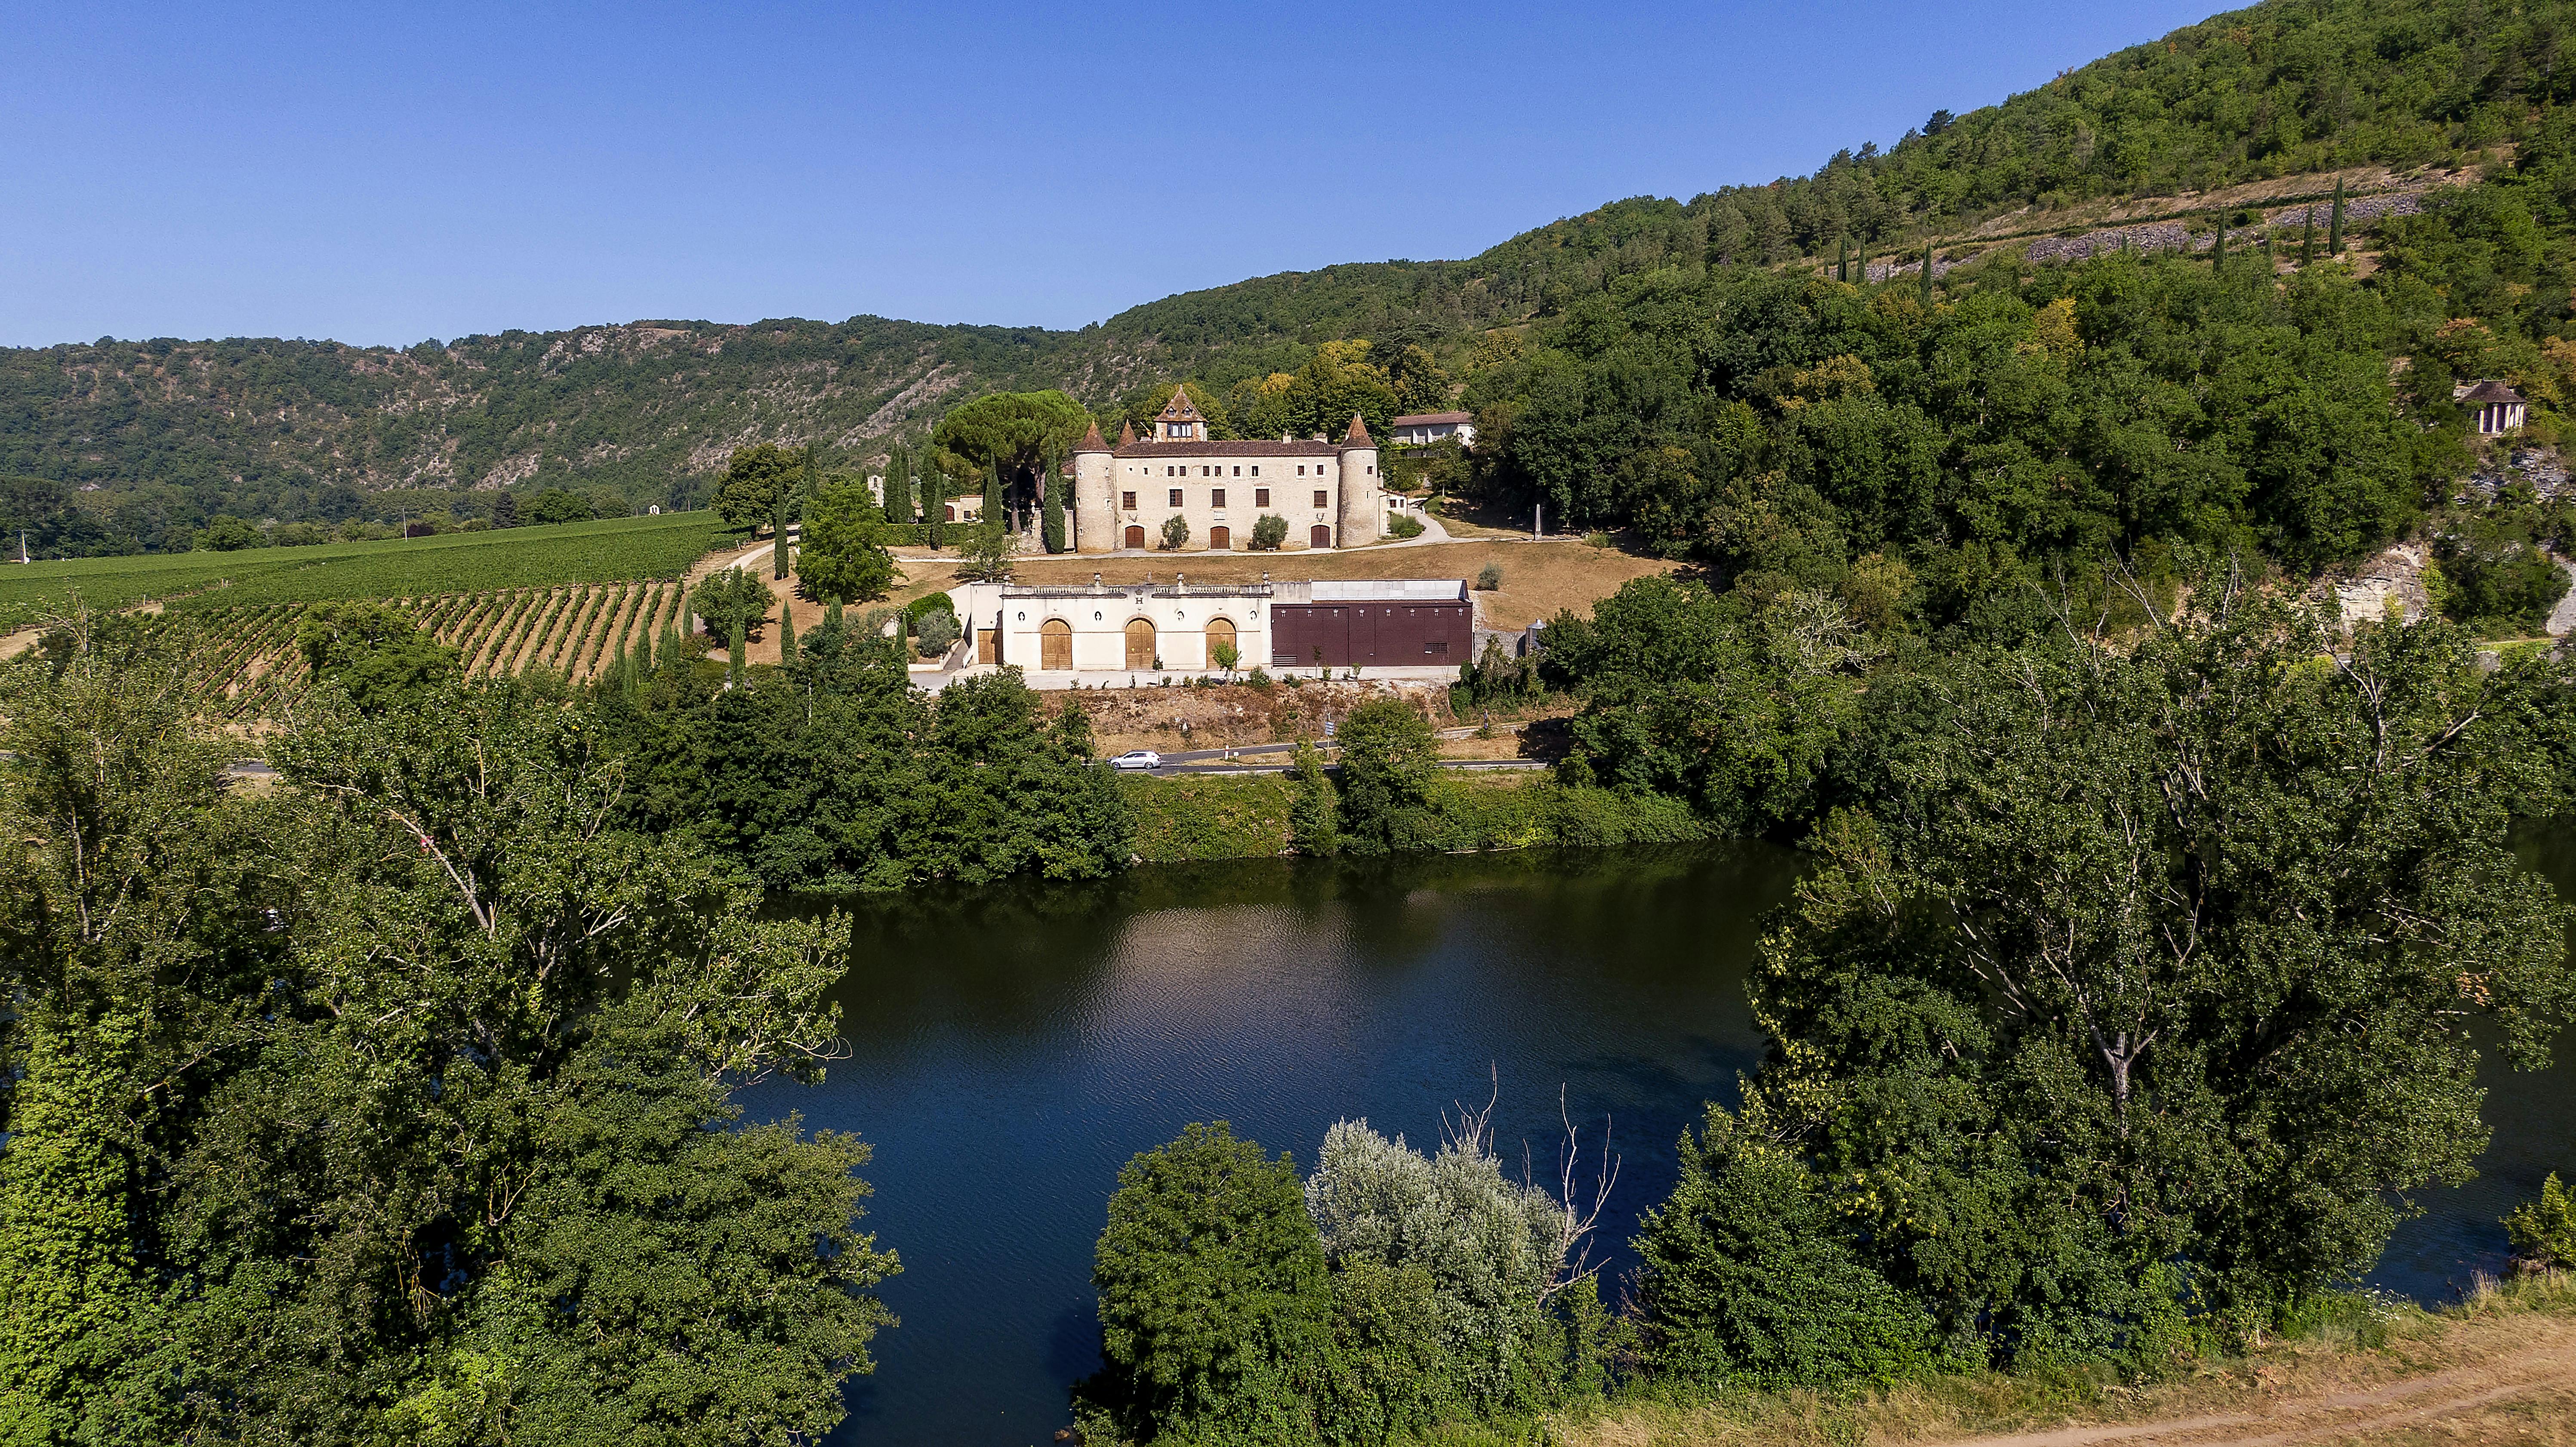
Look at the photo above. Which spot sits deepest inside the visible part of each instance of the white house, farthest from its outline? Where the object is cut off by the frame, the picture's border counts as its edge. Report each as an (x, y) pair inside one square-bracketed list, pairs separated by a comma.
[(1421, 429), (1124, 495)]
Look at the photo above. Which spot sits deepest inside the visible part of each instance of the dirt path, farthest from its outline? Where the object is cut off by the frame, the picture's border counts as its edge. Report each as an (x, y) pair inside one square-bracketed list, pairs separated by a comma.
[(2519, 1387)]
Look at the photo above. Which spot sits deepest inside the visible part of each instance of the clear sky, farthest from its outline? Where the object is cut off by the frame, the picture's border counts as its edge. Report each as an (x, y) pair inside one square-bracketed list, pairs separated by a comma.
[(384, 173)]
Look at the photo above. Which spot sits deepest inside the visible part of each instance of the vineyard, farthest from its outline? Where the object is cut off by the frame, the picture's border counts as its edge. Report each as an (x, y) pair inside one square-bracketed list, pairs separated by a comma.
[(479, 563), (249, 667)]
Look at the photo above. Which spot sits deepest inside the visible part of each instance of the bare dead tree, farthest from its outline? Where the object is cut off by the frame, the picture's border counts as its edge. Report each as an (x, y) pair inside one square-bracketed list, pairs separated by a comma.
[(1575, 1219)]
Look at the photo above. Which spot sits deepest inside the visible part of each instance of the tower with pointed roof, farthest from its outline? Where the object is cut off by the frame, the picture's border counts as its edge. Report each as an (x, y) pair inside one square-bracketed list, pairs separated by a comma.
[(1363, 498)]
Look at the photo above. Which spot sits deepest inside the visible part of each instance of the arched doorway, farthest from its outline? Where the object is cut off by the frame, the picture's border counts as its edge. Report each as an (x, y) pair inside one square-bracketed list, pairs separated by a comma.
[(1220, 634), (1055, 646), (1322, 537), (1220, 538), (1135, 536), (1140, 643)]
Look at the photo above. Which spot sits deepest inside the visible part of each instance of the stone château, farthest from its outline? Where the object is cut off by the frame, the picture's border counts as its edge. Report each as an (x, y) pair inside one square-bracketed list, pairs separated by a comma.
[(1329, 492)]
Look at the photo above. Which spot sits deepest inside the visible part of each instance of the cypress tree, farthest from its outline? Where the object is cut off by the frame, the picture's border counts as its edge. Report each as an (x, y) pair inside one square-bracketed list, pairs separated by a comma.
[(1053, 510), (2308, 238), (2218, 248), (2334, 227), (1863, 271), (787, 630), (1927, 276), (898, 485), (734, 655), (1842, 261), (992, 493)]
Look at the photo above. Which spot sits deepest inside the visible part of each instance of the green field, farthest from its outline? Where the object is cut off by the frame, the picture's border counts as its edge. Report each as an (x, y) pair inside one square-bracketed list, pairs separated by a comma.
[(595, 552)]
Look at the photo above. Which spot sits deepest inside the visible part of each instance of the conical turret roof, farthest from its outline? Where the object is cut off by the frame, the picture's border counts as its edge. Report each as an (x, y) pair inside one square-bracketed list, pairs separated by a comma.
[(1127, 434), (1091, 440), (1358, 436)]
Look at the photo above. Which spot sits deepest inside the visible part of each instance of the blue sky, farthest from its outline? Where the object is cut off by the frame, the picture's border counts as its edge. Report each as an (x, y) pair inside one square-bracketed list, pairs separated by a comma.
[(383, 173)]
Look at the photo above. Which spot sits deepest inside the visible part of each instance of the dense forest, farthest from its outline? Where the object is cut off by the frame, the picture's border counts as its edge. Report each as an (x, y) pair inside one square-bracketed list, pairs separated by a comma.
[(172, 433)]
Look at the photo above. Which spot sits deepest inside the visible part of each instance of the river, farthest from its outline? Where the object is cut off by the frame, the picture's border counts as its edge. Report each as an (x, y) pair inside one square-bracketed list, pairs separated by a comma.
[(1015, 1046)]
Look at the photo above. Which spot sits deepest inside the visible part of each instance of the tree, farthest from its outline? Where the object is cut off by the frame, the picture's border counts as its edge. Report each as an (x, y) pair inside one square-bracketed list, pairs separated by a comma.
[(1268, 532), (733, 601), (1176, 532), (226, 534), (505, 510), (1748, 1276), (1213, 1301), (560, 505), (1314, 811), (1054, 529), (2147, 981), (986, 557), (2334, 223), (2543, 1231), (374, 651), (1007, 437), (898, 486), (844, 558), (755, 479), (1390, 761)]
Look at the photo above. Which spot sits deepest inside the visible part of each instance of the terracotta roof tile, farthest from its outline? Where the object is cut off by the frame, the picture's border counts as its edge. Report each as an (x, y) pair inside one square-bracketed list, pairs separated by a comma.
[(1092, 440), (1358, 436), (2491, 391), (1131, 448)]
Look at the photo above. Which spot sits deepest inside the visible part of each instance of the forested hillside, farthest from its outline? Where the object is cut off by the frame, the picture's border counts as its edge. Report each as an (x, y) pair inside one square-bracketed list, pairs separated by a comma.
[(170, 433)]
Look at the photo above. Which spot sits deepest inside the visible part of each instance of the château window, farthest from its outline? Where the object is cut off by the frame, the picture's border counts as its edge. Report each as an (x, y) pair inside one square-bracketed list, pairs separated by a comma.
[(1261, 497), (1176, 497), (1301, 469), (1216, 497), (1127, 500), (1319, 497), (1256, 469)]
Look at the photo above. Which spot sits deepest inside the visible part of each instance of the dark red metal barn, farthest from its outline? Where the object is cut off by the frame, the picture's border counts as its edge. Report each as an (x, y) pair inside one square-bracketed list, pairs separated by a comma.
[(1386, 622)]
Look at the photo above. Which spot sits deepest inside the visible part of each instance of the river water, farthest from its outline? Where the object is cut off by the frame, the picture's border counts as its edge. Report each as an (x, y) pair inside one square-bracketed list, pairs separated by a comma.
[(1014, 1047)]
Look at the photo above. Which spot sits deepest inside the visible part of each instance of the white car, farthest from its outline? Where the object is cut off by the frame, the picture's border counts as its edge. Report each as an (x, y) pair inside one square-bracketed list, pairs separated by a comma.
[(1137, 759)]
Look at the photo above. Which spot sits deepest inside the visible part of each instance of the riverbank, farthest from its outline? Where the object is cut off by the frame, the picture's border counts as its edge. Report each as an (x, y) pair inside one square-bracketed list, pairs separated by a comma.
[(1207, 817), (2497, 1368)]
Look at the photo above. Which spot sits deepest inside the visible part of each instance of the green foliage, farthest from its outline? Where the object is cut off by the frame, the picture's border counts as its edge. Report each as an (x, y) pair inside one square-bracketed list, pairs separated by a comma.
[(1210, 818), (1212, 1292), (935, 632), (1269, 531), (1704, 699), (262, 1183), (2543, 1231), (1749, 1276), (733, 601), (1489, 577), (838, 775), (2130, 996), (843, 559), (378, 654), (558, 505), (226, 534), (985, 556), (755, 480), (1319, 399), (1176, 532), (2496, 577), (1406, 525), (1315, 808), (1012, 432), (1389, 763)]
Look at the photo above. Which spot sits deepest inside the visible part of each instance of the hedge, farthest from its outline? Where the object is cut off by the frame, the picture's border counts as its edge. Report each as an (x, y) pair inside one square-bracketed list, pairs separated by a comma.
[(1246, 817)]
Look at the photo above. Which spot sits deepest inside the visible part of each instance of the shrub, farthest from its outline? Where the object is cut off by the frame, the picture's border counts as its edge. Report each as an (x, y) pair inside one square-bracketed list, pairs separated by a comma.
[(1314, 815), (935, 632), (1268, 532), (1212, 1291), (1748, 1277), (1596, 539), (1389, 758), (2543, 1232), (1406, 525), (1489, 577), (1176, 532)]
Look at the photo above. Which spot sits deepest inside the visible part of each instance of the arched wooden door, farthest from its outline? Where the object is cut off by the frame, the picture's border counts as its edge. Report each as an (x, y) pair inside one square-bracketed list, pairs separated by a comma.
[(1055, 646), (1322, 537), (1220, 538), (1135, 536), (1220, 634), (1140, 643)]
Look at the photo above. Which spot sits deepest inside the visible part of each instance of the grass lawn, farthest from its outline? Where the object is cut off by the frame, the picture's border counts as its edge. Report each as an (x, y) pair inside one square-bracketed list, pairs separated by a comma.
[(616, 550)]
